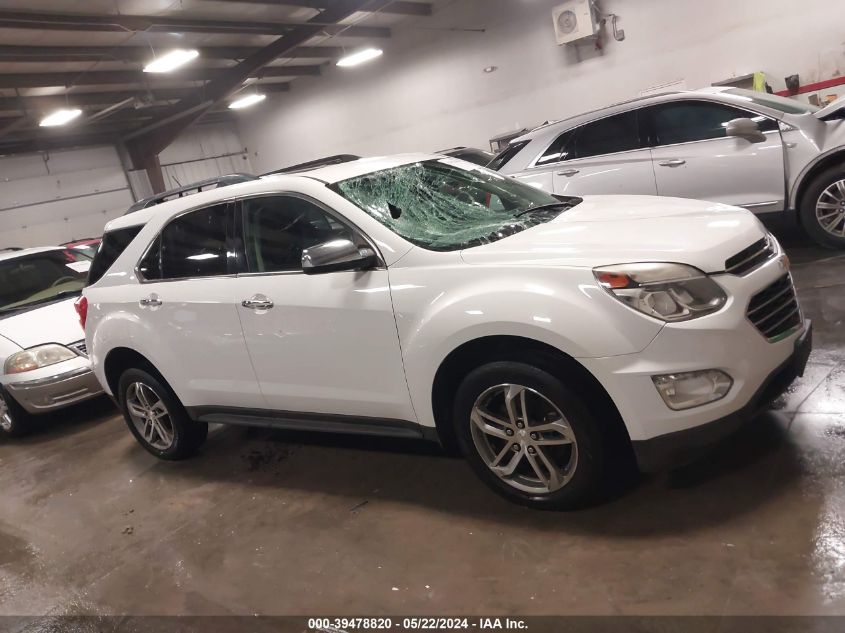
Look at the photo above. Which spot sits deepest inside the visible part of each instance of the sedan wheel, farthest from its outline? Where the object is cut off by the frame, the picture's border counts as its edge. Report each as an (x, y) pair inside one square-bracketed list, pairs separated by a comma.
[(6, 423), (830, 209), (524, 438), (150, 416)]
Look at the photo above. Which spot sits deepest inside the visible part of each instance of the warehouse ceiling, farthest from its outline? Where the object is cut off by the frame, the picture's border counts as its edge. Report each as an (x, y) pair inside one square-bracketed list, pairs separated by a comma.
[(89, 54)]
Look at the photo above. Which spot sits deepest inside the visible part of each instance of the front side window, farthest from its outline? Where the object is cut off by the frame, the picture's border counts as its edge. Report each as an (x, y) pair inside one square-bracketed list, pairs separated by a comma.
[(277, 229), (440, 205), (688, 121), (562, 149), (194, 245), (618, 133), (32, 280)]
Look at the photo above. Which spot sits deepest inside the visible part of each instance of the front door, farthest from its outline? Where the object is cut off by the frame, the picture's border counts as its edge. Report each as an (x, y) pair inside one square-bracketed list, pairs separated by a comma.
[(324, 343), (693, 158)]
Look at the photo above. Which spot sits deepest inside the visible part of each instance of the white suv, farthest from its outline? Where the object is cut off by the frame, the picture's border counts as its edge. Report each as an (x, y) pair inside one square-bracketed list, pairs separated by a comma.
[(759, 151), (422, 296)]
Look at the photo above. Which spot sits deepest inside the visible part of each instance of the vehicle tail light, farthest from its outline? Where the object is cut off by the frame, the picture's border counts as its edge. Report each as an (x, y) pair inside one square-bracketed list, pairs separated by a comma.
[(81, 306)]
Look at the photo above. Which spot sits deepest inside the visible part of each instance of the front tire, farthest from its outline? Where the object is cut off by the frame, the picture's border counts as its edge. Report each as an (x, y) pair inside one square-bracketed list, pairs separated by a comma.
[(156, 417), (822, 208), (529, 437), (14, 420)]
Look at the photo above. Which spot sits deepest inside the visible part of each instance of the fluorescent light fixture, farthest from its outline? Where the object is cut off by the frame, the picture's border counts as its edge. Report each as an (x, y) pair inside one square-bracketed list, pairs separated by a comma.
[(171, 61), (248, 100), (360, 57), (59, 117)]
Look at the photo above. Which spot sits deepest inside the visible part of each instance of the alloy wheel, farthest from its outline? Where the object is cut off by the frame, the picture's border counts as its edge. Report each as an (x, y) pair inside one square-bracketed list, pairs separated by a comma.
[(5, 415), (150, 416), (830, 209), (524, 438)]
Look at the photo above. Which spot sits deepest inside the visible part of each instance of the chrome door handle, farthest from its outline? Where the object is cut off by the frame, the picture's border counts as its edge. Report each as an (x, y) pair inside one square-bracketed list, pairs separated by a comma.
[(568, 172), (150, 302), (257, 304), (675, 162)]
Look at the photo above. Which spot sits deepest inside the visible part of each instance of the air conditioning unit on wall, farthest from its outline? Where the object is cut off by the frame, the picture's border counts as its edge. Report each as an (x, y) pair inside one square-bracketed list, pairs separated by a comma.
[(574, 20)]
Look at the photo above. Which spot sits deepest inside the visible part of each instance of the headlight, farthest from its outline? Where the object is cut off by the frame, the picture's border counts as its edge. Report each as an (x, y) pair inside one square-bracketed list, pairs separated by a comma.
[(669, 292), (36, 358)]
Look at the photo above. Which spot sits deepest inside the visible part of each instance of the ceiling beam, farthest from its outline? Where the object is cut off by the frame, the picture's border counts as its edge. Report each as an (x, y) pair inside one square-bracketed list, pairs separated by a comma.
[(382, 6), (26, 146), (141, 54), (90, 99), (153, 138), (106, 77), (132, 23)]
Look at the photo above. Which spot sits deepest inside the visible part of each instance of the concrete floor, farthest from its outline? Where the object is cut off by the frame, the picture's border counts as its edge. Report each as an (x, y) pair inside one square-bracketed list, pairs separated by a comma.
[(280, 523)]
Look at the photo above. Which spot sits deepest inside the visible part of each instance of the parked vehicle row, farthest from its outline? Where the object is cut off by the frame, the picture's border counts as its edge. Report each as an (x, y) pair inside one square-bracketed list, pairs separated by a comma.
[(423, 296), (754, 150)]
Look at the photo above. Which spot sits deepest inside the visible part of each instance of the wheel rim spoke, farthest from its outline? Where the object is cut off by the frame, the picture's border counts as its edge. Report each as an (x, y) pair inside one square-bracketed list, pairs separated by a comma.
[(830, 209), (524, 438), (150, 416)]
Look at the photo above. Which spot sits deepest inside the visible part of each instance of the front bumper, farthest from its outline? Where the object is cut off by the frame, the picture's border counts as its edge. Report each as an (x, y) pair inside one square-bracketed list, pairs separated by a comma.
[(681, 447), (59, 389)]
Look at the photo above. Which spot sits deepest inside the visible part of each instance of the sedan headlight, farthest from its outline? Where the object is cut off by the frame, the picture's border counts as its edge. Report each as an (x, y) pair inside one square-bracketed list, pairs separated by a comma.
[(37, 357), (669, 292)]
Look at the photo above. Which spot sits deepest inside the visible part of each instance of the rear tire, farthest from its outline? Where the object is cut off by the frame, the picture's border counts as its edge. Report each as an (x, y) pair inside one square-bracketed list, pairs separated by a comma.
[(529, 437), (156, 417), (822, 208), (14, 420)]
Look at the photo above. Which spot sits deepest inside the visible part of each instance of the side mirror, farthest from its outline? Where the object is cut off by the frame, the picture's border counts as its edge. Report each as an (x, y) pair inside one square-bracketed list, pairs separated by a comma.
[(337, 255), (745, 128)]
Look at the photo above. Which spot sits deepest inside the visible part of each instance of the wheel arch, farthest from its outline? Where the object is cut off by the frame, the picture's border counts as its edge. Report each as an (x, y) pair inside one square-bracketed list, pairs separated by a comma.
[(835, 157), (479, 351), (119, 359)]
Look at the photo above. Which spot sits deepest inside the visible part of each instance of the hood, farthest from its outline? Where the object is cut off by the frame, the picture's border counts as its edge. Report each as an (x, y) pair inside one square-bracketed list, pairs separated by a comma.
[(52, 323), (605, 230), (831, 108)]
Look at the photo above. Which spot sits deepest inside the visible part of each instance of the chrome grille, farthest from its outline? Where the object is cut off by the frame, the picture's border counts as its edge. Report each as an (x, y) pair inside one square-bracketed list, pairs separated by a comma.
[(80, 348), (750, 258), (774, 310)]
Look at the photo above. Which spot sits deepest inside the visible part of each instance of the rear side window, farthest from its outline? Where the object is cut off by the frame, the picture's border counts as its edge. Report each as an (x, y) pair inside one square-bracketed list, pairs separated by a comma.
[(506, 155), (113, 244), (686, 122), (194, 245), (618, 133)]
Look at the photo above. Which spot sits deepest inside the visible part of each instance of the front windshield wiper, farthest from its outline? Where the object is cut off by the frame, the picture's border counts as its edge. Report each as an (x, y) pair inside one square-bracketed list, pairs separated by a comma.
[(543, 208)]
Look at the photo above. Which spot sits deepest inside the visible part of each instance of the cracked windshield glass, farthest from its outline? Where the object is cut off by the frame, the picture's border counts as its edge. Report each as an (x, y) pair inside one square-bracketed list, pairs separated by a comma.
[(439, 205)]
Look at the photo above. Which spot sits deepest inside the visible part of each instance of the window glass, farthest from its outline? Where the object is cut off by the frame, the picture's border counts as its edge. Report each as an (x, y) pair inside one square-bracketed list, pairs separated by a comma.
[(277, 230), (618, 133), (558, 151), (506, 155), (150, 266), (113, 244), (32, 280), (194, 245), (684, 122)]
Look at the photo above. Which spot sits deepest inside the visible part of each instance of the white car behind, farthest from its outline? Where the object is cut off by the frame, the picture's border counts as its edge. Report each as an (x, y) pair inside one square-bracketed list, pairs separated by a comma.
[(762, 152), (44, 362)]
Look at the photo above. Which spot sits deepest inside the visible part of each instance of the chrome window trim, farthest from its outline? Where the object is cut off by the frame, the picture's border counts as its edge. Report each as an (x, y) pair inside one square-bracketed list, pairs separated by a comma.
[(236, 200)]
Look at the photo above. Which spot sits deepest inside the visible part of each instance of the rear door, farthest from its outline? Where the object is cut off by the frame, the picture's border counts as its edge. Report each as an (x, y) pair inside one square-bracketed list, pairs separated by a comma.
[(607, 156), (693, 157), (188, 292)]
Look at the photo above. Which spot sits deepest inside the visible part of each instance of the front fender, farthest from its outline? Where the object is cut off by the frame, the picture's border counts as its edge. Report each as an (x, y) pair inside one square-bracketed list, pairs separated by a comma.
[(561, 307)]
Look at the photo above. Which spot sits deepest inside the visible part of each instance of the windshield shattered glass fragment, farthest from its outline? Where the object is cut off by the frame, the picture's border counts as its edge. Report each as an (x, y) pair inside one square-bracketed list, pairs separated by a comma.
[(439, 205)]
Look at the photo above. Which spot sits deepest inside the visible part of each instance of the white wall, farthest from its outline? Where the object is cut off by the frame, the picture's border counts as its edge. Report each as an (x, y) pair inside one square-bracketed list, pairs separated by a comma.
[(53, 197), (429, 92)]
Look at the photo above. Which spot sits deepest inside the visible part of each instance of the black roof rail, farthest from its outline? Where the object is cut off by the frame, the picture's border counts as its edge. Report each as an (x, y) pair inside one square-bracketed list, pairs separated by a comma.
[(337, 159), (187, 190)]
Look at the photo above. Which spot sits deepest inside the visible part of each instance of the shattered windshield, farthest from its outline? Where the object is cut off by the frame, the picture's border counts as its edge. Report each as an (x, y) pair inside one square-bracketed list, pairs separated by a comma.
[(444, 205)]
